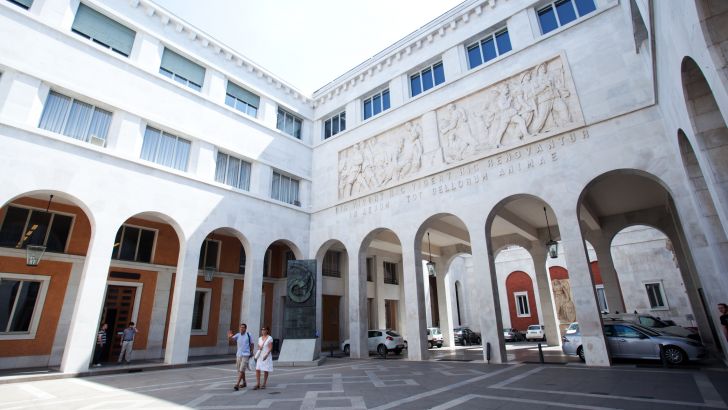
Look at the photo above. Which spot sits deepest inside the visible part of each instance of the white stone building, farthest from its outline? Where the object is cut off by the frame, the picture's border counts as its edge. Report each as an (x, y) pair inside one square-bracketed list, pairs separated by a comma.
[(169, 156)]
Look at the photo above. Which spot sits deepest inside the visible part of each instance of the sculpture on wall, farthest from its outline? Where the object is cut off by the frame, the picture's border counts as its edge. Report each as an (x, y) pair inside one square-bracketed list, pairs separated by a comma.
[(533, 104), (565, 309)]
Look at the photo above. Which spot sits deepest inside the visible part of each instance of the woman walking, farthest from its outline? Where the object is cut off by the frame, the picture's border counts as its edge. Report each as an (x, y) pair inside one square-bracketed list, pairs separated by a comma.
[(263, 357)]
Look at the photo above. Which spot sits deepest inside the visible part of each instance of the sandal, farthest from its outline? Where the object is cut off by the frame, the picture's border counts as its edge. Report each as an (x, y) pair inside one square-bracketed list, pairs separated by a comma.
[(262, 387), (244, 385), (236, 387), (256, 388)]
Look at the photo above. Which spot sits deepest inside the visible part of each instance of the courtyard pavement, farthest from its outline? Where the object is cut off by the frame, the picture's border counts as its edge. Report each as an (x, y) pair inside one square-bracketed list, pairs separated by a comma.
[(344, 383)]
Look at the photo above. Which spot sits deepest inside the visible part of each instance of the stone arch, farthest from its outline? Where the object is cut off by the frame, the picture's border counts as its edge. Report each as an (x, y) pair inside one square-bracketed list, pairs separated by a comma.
[(332, 316), (712, 15)]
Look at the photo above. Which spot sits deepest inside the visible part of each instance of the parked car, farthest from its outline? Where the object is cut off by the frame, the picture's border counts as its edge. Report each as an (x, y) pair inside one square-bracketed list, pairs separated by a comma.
[(630, 340), (513, 335), (654, 323), (381, 341), (465, 336), (434, 337), (536, 332)]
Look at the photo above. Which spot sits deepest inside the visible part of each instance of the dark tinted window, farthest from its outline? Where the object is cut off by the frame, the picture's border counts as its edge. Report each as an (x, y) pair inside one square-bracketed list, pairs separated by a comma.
[(58, 233), (547, 18), (566, 11), (13, 226)]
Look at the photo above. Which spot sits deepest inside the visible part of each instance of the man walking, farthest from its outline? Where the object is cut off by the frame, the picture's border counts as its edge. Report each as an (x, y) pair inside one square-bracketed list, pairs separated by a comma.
[(242, 356), (127, 343), (100, 342)]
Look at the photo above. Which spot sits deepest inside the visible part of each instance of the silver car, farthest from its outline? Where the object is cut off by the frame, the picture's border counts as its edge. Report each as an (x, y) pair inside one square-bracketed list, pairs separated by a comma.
[(630, 340)]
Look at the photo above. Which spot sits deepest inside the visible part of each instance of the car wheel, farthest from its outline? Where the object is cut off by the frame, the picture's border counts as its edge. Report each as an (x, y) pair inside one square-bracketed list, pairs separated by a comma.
[(347, 351), (382, 350), (429, 345), (580, 353), (674, 355), (397, 351), (439, 345), (477, 341)]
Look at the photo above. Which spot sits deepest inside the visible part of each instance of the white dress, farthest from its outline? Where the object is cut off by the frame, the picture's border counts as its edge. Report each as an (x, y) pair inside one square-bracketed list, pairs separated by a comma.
[(265, 346)]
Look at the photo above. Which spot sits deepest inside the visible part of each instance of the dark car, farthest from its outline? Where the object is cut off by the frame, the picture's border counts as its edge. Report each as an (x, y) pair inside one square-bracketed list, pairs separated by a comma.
[(513, 335), (464, 336)]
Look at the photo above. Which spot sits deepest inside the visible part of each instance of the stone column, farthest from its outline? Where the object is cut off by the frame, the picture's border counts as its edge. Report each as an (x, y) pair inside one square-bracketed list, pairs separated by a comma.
[(358, 306), (250, 309), (155, 338), (84, 325), (545, 295), (414, 298), (612, 290), (226, 307), (444, 302), (582, 288), (486, 301), (319, 301)]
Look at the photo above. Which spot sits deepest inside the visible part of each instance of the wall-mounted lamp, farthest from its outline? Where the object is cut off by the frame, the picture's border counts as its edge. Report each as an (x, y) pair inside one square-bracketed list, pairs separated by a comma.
[(34, 253), (551, 245), (430, 264)]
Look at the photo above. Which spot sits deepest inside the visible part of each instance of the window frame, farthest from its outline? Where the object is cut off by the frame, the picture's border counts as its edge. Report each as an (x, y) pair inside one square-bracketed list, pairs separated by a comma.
[(371, 98), (492, 34), (331, 273), (178, 78), (600, 289), (205, 325), (37, 309), (217, 255), (519, 312), (663, 296), (136, 249), (420, 75), (285, 113), (48, 229), (227, 165), (156, 148), (552, 5), (237, 100), (281, 175), (67, 115), (97, 41), (341, 119), (394, 275)]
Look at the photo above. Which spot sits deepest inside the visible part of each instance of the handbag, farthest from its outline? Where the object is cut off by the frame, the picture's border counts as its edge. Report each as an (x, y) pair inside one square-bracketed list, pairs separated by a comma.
[(251, 364)]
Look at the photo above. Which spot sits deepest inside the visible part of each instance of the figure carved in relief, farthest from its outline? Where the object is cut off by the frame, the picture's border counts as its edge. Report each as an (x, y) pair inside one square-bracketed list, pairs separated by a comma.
[(456, 133), (409, 153), (565, 309), (507, 114), (354, 171), (560, 111), (384, 162), (550, 99)]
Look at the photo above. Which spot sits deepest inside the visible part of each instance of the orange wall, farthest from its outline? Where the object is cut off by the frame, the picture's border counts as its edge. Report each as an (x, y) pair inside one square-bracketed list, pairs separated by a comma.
[(229, 254), (268, 312), (42, 344), (210, 339), (144, 316), (237, 301)]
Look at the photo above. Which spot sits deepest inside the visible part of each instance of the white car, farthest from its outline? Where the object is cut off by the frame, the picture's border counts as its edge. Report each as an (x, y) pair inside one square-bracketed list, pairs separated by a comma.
[(535, 332), (380, 341), (434, 337)]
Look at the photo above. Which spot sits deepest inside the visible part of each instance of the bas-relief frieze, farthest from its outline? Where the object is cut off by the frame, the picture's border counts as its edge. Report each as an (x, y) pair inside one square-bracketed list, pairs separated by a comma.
[(530, 105)]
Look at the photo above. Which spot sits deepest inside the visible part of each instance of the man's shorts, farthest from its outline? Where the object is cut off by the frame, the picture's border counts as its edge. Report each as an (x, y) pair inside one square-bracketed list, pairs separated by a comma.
[(241, 363)]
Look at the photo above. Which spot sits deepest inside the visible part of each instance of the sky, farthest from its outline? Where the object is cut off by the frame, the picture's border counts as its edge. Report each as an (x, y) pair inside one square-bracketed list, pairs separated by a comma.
[(308, 43)]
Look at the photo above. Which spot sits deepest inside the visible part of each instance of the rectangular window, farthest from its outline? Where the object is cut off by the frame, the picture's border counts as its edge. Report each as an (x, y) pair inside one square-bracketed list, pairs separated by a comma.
[(656, 295), (427, 78), (601, 298), (243, 260), (522, 307), (390, 273), (134, 244), (289, 256), (102, 30), (376, 104), (370, 269), (201, 311), (232, 171), (209, 252), (182, 70), (289, 123), (22, 3), (335, 125), (23, 226), (563, 12), (165, 149), (285, 188), (488, 48), (331, 265), (22, 302), (75, 119), (242, 99)]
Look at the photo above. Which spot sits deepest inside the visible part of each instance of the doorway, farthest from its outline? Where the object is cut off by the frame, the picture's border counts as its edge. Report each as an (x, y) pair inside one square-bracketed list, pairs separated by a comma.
[(118, 312)]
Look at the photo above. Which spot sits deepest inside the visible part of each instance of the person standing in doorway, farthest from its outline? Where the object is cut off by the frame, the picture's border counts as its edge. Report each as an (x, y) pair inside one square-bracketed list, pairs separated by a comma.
[(263, 357), (242, 356), (127, 343), (100, 343), (723, 309)]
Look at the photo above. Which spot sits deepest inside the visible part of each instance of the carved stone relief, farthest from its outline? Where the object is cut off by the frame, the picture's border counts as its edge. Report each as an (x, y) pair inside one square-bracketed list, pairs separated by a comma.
[(565, 309), (532, 104)]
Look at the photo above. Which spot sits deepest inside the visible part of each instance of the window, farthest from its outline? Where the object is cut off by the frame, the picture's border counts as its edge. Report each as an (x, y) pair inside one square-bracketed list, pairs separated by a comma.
[(182, 70), (243, 260), (209, 252), (370, 269), (522, 307), (335, 124), (563, 12), (290, 256), (165, 149), (22, 3), (488, 48), (390, 273), (75, 119), (201, 311), (656, 295), (285, 189), (232, 171), (23, 226), (134, 244), (626, 332), (289, 123), (331, 265), (242, 99), (427, 78), (602, 298), (376, 104), (102, 30), (22, 299)]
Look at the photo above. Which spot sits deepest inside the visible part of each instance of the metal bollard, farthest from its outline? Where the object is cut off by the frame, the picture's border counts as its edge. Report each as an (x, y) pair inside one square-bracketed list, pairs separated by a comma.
[(487, 351), (663, 358), (540, 353)]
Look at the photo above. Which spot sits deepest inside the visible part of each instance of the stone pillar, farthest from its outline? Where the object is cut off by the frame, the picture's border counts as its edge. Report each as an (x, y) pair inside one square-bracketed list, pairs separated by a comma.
[(612, 290), (319, 300), (582, 288), (180, 315), (545, 295), (358, 306), (155, 338), (414, 298), (444, 303), (84, 324), (250, 309), (486, 301), (226, 307)]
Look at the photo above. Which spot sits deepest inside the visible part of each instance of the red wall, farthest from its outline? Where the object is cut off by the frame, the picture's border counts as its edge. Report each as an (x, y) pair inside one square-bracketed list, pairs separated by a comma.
[(520, 282)]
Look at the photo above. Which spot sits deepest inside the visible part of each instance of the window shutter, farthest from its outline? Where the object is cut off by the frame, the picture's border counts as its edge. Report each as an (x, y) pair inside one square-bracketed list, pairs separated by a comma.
[(103, 29), (177, 64), (243, 94)]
